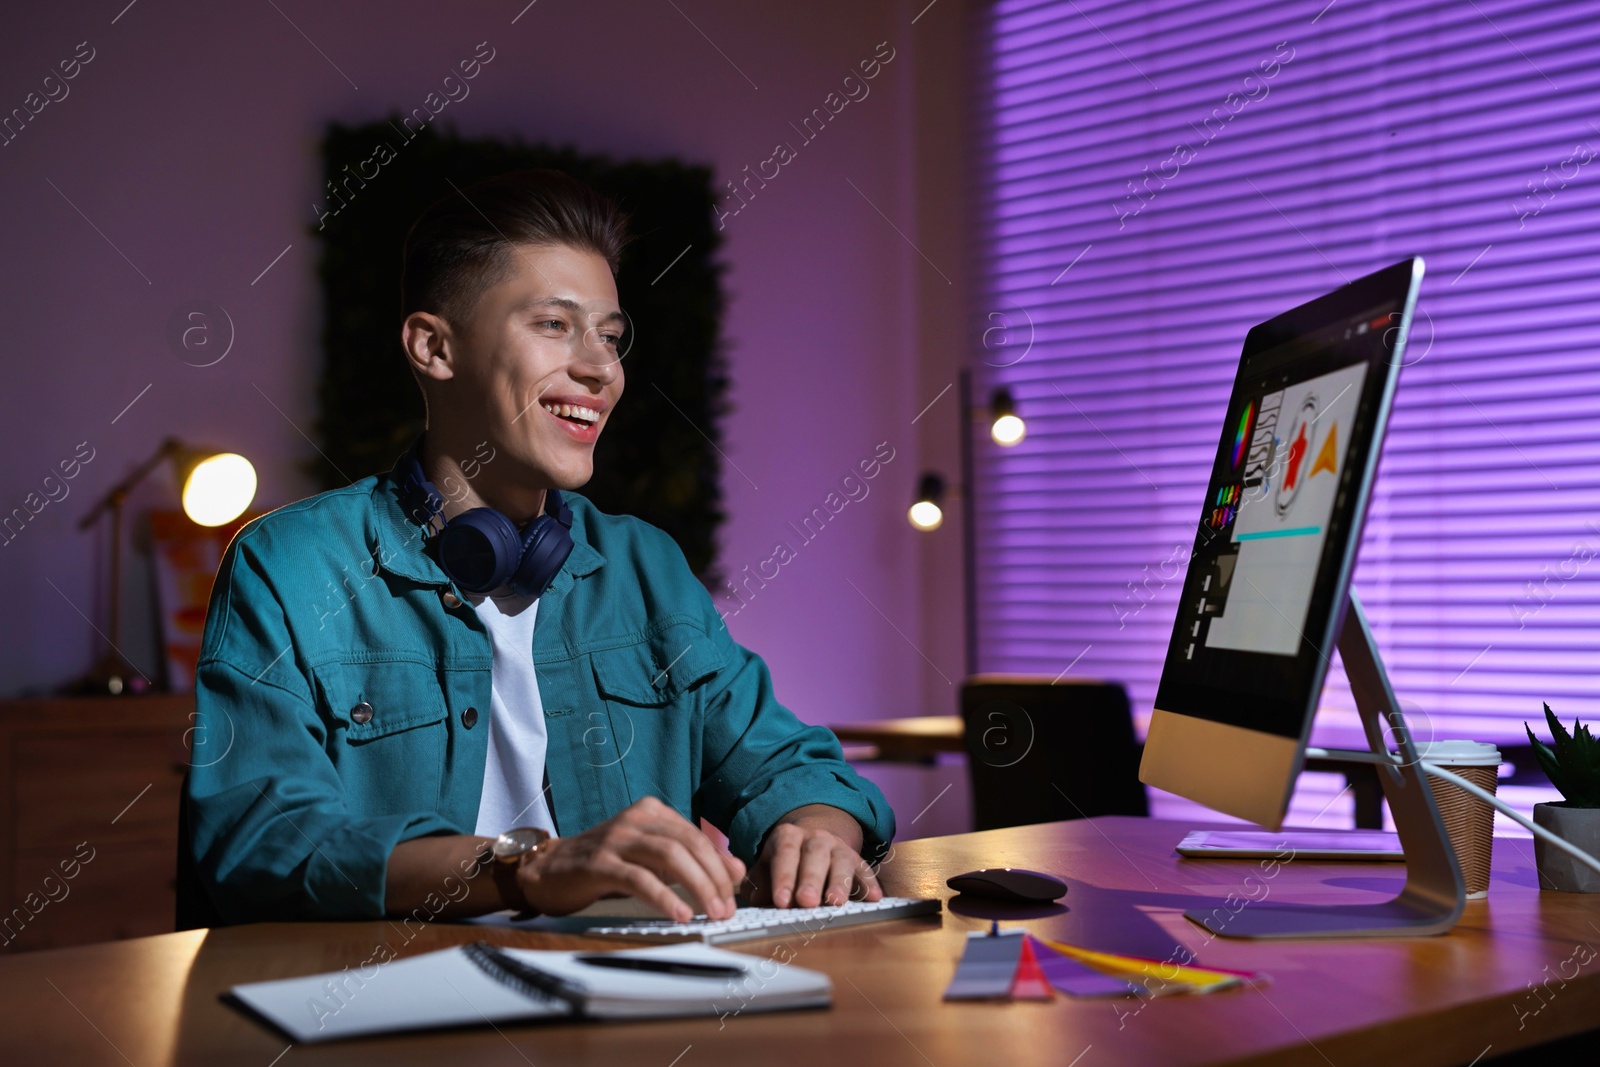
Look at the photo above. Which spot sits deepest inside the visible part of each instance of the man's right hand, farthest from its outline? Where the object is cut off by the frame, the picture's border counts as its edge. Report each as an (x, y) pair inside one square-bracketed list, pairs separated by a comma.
[(639, 852)]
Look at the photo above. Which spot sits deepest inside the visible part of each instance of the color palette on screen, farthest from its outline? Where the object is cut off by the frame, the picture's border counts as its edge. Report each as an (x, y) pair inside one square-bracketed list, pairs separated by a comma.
[(1243, 433)]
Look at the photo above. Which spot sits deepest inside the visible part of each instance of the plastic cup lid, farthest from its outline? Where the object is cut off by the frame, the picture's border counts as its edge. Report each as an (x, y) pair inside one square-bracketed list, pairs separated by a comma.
[(1467, 753)]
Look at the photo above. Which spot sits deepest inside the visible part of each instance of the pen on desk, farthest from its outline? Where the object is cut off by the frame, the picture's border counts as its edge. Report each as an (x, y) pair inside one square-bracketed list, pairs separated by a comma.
[(657, 966)]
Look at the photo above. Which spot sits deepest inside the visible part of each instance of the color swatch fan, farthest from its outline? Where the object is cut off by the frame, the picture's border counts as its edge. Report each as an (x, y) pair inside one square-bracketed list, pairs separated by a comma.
[(1014, 965)]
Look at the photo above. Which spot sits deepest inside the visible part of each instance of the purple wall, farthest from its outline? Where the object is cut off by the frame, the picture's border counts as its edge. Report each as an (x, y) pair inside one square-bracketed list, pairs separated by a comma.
[(1159, 179), (181, 163)]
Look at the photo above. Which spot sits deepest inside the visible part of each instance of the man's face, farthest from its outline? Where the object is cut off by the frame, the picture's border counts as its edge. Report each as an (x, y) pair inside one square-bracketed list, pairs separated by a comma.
[(539, 364)]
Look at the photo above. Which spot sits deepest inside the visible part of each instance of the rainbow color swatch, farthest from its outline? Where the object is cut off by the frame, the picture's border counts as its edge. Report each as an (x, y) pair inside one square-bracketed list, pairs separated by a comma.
[(1243, 433)]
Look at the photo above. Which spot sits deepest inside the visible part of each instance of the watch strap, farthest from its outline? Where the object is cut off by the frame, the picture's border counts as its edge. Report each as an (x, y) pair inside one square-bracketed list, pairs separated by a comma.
[(505, 881)]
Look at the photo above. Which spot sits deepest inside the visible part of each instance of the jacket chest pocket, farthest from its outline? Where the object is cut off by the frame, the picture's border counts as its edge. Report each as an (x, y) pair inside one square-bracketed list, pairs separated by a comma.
[(658, 670), (644, 743), (387, 734)]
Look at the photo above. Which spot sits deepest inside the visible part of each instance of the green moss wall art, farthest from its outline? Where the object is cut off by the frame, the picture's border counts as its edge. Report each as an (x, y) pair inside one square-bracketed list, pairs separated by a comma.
[(659, 458)]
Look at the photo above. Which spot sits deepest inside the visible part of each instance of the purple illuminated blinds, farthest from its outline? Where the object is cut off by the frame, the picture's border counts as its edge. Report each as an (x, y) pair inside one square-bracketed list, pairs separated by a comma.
[(1156, 178)]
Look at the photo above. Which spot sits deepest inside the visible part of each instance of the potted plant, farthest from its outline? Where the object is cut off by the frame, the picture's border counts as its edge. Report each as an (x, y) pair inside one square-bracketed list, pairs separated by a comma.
[(1573, 767)]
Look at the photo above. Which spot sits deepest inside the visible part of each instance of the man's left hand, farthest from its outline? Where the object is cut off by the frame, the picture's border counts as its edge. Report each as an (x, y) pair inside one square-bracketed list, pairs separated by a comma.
[(811, 857)]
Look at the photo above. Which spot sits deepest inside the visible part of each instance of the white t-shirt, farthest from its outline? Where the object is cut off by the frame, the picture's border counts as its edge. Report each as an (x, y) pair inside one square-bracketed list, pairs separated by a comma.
[(513, 776)]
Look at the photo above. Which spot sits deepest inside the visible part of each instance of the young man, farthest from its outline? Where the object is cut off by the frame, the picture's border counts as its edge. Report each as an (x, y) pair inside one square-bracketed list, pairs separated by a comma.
[(379, 738)]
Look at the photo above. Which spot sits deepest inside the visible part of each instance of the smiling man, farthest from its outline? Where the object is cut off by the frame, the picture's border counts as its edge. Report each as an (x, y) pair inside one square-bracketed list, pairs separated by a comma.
[(459, 687)]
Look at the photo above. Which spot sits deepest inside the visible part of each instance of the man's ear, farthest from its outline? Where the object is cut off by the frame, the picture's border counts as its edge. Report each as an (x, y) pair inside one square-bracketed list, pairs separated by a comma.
[(429, 345)]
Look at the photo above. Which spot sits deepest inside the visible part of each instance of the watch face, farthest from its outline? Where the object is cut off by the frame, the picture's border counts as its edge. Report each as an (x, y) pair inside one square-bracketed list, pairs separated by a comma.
[(523, 839)]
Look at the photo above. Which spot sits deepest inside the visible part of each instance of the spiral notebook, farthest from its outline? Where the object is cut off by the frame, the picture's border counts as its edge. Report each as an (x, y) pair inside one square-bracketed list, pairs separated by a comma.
[(477, 984)]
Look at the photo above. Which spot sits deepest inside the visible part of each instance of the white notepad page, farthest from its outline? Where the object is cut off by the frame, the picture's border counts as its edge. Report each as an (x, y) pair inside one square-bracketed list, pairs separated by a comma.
[(447, 988)]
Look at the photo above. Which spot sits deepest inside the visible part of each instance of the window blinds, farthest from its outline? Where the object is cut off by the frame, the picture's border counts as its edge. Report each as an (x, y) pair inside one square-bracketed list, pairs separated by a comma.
[(1157, 177)]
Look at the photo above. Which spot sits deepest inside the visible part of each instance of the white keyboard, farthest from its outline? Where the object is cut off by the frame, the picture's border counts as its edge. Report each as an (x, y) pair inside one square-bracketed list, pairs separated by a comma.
[(748, 924)]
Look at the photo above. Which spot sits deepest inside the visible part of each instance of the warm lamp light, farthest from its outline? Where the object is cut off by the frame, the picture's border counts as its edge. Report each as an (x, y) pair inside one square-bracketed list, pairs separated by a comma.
[(925, 513), (218, 489), (1007, 427), (1008, 430)]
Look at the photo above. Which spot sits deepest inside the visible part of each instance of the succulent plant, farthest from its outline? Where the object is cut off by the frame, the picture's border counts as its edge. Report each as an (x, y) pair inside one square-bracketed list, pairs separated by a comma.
[(1573, 765)]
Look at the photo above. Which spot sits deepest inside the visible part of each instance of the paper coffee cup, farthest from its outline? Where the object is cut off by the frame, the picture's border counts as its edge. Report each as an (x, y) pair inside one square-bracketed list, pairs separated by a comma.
[(1468, 821)]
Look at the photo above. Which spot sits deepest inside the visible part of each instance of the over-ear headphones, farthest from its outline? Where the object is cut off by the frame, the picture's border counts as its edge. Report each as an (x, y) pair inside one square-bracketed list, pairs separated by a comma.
[(481, 550)]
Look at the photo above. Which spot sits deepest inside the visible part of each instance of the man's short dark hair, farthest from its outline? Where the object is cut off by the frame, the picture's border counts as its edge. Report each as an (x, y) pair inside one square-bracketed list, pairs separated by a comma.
[(460, 245)]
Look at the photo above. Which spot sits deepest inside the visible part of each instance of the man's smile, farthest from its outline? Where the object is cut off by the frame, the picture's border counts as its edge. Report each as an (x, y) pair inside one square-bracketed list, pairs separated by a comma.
[(577, 416)]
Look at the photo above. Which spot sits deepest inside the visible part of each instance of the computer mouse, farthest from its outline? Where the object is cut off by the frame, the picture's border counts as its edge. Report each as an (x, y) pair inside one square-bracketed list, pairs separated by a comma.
[(1009, 883)]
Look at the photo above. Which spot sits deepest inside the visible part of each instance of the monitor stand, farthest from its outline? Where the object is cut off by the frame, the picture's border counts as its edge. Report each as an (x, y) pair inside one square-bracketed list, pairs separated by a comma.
[(1434, 892)]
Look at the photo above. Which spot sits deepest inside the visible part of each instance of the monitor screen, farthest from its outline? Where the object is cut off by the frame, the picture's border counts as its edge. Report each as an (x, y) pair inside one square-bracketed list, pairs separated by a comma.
[(1277, 530)]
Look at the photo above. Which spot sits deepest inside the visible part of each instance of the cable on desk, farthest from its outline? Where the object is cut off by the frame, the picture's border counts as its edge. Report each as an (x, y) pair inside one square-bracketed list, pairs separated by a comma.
[(1391, 760), (1495, 802)]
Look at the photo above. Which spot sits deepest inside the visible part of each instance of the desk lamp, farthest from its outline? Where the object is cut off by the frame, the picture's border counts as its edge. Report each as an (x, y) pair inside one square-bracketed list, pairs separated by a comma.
[(216, 488)]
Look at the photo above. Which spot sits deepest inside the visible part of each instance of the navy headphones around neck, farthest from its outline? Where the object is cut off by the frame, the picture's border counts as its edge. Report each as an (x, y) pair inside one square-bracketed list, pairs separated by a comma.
[(481, 550)]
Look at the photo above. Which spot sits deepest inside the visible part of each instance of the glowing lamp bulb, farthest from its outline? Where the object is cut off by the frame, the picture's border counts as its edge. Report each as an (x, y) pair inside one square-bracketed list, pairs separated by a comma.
[(1008, 430), (926, 515), (219, 489)]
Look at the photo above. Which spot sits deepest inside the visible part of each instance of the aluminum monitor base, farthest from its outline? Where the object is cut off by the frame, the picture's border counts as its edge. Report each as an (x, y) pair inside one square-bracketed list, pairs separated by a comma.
[(1434, 893)]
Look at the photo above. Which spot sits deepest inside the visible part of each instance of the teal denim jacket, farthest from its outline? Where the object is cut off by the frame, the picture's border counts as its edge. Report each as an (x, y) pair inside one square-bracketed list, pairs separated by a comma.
[(331, 607)]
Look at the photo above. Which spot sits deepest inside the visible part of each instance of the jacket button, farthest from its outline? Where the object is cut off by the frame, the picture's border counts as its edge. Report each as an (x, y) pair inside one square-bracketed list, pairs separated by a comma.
[(361, 714), (451, 601), (469, 718)]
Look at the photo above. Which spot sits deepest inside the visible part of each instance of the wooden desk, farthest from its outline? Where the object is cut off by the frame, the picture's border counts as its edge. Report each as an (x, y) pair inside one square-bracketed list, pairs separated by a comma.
[(1422, 1001)]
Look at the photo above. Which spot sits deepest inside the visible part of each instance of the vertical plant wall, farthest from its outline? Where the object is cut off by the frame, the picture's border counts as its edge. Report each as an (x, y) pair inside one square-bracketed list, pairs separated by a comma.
[(658, 458)]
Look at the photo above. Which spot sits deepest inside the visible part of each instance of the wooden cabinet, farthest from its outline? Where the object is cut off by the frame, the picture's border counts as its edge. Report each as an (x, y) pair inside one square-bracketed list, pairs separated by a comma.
[(89, 817)]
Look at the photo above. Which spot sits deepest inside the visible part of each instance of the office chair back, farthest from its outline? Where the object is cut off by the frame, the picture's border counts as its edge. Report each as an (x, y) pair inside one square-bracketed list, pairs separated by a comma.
[(1039, 751)]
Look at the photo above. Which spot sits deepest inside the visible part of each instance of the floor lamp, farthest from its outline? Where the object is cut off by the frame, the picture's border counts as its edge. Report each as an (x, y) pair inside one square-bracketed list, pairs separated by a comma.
[(1005, 428)]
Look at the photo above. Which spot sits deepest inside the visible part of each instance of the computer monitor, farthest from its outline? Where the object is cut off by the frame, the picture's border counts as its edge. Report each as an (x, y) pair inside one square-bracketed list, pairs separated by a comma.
[(1267, 598), (1264, 598)]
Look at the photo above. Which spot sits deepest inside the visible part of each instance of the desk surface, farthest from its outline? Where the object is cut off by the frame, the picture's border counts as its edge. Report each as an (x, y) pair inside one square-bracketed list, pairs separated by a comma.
[(1442, 1000)]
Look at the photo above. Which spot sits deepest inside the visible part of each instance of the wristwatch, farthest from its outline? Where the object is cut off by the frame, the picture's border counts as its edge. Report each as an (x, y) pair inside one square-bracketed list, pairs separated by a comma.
[(509, 852)]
